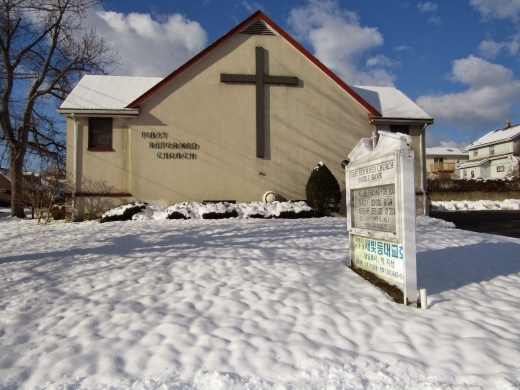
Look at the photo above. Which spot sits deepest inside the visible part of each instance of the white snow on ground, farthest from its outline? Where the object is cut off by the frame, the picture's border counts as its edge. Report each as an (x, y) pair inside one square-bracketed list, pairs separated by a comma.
[(195, 210), (465, 205), (249, 304), (425, 220)]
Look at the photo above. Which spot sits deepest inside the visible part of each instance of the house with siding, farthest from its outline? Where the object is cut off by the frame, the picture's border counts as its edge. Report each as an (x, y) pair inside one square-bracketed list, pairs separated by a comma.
[(495, 155), (442, 162), (5, 188)]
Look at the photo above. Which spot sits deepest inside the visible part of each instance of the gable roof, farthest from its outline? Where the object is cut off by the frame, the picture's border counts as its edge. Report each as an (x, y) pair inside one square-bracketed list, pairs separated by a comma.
[(259, 15), (115, 93), (391, 103), (122, 95), (496, 136)]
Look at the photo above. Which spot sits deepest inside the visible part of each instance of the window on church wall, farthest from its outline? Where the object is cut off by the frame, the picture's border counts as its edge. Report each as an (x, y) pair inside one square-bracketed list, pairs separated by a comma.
[(475, 153), (100, 134), (492, 150), (438, 159), (400, 129)]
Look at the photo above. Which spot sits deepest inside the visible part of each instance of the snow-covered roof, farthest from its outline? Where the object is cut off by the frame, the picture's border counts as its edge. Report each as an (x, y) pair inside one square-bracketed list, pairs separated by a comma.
[(496, 136), (473, 163), (391, 102), (442, 151), (107, 92)]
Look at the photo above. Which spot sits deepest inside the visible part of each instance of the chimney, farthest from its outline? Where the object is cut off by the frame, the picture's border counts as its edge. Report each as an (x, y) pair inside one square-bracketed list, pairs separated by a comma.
[(508, 124)]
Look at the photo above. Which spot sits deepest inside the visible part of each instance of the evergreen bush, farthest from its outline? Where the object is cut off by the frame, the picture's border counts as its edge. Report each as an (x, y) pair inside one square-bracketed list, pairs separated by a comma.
[(322, 191)]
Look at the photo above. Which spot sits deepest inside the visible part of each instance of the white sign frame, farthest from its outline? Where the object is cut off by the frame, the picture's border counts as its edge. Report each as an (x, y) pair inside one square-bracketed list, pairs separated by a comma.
[(405, 209)]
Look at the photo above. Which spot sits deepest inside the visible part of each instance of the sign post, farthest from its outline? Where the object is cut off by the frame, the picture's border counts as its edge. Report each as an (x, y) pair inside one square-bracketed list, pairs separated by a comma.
[(381, 210)]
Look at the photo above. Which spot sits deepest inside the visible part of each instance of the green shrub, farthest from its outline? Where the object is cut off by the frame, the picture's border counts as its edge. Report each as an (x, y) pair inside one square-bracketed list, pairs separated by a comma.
[(323, 192)]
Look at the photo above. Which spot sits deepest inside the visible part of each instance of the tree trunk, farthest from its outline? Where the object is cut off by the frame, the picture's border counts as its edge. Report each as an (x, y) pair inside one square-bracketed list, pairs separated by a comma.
[(17, 201)]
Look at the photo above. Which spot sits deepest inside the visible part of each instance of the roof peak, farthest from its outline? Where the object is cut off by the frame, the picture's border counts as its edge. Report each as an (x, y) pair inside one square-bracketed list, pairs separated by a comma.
[(232, 33)]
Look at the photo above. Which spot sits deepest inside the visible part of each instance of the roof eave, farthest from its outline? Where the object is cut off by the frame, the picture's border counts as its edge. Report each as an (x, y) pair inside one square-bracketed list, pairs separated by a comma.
[(508, 139), (80, 112), (400, 121)]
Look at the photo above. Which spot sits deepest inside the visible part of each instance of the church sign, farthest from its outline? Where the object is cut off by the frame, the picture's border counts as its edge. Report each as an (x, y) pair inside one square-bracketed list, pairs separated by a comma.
[(381, 210)]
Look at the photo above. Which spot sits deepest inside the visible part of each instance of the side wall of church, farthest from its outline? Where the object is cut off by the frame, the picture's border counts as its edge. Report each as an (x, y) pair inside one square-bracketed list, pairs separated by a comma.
[(314, 121)]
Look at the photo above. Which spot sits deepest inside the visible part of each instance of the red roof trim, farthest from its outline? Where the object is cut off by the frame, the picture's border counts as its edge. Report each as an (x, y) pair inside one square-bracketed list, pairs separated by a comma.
[(231, 34)]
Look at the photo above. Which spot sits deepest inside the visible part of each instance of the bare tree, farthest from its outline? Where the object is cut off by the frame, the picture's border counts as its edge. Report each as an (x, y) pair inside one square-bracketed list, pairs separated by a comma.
[(46, 47), (43, 189)]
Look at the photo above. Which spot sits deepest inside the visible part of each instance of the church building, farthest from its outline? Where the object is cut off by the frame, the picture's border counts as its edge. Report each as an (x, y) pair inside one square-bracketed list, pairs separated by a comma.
[(251, 114)]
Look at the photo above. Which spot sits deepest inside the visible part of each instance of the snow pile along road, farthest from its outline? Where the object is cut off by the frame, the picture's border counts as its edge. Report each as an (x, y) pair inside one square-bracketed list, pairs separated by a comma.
[(466, 205), (249, 304)]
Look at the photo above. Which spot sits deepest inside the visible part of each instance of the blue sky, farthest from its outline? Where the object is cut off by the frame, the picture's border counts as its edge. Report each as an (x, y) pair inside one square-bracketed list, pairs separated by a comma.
[(458, 59)]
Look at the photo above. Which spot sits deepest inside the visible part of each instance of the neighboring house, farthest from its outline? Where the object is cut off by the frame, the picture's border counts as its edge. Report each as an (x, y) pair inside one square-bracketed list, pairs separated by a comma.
[(5, 188), (495, 155), (442, 162), (252, 113)]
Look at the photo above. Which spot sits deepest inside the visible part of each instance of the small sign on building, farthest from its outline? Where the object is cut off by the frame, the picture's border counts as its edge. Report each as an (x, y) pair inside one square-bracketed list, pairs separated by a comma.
[(381, 210)]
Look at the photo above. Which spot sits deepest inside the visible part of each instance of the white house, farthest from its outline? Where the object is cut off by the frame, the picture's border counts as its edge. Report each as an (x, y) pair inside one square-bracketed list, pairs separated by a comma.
[(443, 162), (495, 155)]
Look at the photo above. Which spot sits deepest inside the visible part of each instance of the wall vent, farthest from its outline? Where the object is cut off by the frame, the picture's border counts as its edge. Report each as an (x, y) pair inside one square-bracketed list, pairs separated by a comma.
[(257, 28)]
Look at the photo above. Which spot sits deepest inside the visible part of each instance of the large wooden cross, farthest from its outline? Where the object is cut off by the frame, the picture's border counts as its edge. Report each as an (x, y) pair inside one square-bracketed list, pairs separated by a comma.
[(259, 79)]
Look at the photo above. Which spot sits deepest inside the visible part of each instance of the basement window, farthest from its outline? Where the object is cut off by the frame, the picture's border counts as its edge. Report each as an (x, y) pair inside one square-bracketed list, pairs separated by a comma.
[(100, 134)]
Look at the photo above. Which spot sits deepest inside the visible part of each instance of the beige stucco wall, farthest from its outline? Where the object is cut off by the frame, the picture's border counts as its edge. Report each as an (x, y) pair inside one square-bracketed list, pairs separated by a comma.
[(314, 121)]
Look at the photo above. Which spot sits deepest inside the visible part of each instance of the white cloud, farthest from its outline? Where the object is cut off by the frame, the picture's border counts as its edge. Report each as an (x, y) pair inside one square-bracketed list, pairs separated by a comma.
[(490, 49), (251, 7), (452, 144), (435, 139), (488, 100), (149, 46), (435, 20), (381, 60), (498, 9), (402, 48), (338, 40), (427, 7)]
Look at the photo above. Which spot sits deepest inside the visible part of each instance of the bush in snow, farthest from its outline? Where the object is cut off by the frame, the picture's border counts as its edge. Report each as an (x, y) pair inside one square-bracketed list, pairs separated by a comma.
[(291, 214), (220, 215), (194, 210), (220, 210), (123, 213), (176, 215), (322, 191)]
